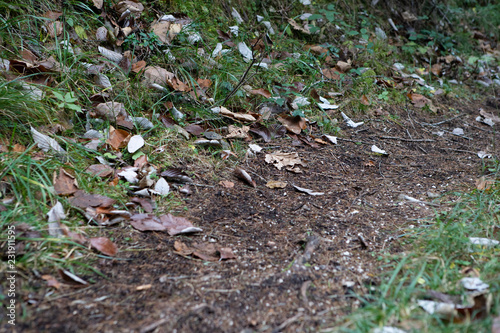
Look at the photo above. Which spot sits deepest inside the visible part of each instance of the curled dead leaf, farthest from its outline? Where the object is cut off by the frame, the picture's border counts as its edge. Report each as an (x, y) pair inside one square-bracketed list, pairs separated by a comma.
[(242, 174)]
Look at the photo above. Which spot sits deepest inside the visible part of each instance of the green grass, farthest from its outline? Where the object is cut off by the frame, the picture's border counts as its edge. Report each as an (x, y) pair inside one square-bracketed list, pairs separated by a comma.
[(439, 251)]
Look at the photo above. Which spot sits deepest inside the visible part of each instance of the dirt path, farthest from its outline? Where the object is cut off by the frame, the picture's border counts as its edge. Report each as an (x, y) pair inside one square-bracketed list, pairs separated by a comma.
[(300, 258)]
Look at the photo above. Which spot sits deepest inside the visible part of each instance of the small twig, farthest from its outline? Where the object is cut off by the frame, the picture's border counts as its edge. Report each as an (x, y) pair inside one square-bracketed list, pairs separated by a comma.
[(407, 140), (288, 322), (441, 122)]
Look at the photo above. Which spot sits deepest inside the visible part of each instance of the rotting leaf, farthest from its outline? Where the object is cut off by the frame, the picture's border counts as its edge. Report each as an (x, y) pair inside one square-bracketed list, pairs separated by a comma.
[(280, 160), (484, 184), (226, 184), (146, 222), (294, 124), (238, 116), (100, 170), (51, 281), (276, 184), (176, 174), (226, 253), (64, 183), (176, 225), (45, 142), (419, 100), (71, 278), (84, 200), (262, 131), (237, 132), (104, 245), (145, 203), (194, 129), (260, 91), (242, 174)]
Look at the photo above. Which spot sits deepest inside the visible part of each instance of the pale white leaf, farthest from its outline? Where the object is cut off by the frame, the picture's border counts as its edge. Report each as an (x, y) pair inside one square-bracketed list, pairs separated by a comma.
[(432, 307), (245, 51), (45, 142), (377, 150), (234, 30), (458, 131), (56, 213), (236, 16), (135, 143), (255, 148), (332, 139), (483, 241), (129, 174), (482, 154), (110, 55), (216, 51), (474, 283), (305, 190), (162, 187), (349, 122), (388, 329)]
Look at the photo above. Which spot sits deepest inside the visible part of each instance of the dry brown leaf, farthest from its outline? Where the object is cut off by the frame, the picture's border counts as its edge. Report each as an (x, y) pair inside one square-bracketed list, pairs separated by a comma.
[(84, 200), (237, 132), (64, 183), (100, 170), (331, 73), (51, 281), (226, 253), (130, 5), (280, 160), (418, 100), (71, 278), (484, 184), (194, 129), (54, 28), (118, 138), (98, 3), (138, 66), (237, 116), (260, 91), (298, 27), (242, 174), (276, 184), (182, 249), (491, 116), (146, 222), (316, 49), (177, 225), (436, 69), (158, 75), (364, 100), (294, 124), (166, 31), (145, 203), (226, 183), (343, 66), (110, 111), (104, 245)]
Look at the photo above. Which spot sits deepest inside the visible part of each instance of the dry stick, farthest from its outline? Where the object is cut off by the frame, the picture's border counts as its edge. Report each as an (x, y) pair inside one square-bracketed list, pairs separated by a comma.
[(407, 140), (442, 122), (240, 83)]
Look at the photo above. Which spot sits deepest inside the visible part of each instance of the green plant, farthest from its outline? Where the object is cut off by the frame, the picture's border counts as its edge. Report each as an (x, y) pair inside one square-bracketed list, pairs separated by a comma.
[(67, 101)]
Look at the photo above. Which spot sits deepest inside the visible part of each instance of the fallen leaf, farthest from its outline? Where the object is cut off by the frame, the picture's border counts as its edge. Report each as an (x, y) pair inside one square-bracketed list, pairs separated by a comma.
[(177, 225), (146, 222), (176, 174), (130, 174), (135, 143), (145, 203), (364, 100), (260, 91), (483, 241), (84, 200), (331, 73), (110, 55), (51, 281), (242, 174), (118, 138), (262, 131), (484, 184), (162, 187), (71, 278), (294, 124), (104, 245), (56, 213), (45, 142), (238, 116), (305, 190), (144, 287), (418, 100), (350, 122), (100, 170), (332, 139), (224, 154), (194, 129), (474, 284), (64, 183), (276, 184), (494, 118), (298, 27), (237, 132), (377, 150), (226, 183), (226, 253), (138, 66), (110, 111), (98, 3), (280, 160), (343, 66)]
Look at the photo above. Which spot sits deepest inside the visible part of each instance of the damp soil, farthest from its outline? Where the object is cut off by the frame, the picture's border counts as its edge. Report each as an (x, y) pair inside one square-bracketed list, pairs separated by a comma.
[(301, 259)]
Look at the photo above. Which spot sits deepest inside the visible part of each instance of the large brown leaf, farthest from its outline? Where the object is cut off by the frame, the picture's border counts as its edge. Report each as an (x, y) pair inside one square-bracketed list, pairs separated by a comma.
[(104, 245)]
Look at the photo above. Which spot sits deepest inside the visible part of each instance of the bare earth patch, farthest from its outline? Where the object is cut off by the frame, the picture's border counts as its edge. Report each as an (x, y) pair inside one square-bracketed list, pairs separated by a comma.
[(300, 258)]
